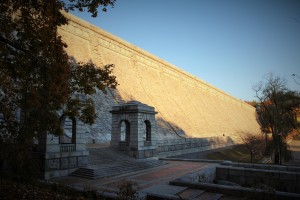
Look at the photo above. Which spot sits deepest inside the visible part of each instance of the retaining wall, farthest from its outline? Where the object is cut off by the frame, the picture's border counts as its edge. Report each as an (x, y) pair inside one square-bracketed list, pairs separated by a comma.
[(167, 148), (249, 177)]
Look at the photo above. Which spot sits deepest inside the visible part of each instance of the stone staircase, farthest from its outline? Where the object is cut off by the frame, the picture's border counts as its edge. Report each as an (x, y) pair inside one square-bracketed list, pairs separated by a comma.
[(107, 162)]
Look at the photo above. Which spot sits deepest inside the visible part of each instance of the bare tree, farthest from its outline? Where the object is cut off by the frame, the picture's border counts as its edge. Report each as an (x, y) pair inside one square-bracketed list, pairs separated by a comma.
[(255, 144), (276, 111)]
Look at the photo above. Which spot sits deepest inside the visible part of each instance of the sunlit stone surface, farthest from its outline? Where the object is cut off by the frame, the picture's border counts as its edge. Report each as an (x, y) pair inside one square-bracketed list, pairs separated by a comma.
[(186, 105)]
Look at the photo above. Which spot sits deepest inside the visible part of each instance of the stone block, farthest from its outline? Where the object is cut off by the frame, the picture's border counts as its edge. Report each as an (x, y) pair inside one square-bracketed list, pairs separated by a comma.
[(222, 173), (80, 147), (261, 166), (288, 181), (52, 164), (82, 161), (52, 139), (235, 175), (64, 163), (52, 148), (172, 148), (148, 153), (52, 155), (72, 162)]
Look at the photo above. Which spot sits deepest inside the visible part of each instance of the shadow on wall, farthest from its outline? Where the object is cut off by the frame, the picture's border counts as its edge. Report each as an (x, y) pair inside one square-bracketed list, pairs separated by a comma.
[(101, 130), (166, 130), (169, 130)]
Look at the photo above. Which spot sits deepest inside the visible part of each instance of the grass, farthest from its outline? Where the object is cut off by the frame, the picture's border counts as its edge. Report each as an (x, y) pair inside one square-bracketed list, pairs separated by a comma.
[(237, 153)]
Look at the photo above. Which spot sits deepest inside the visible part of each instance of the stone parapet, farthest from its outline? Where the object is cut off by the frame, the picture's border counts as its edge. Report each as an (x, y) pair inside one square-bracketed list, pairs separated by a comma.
[(249, 177), (168, 148)]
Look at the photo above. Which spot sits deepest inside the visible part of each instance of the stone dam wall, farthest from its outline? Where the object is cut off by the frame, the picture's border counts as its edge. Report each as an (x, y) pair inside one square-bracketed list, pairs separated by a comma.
[(187, 106)]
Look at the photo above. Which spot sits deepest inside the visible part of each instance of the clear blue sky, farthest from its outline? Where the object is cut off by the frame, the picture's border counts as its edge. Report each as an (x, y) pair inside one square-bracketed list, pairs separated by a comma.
[(230, 44)]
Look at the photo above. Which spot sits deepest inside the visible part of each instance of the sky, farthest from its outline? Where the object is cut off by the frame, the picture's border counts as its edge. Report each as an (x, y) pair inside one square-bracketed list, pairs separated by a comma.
[(231, 44)]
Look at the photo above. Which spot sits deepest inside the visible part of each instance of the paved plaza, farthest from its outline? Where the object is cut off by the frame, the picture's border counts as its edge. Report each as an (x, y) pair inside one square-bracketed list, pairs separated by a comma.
[(154, 180), (150, 180)]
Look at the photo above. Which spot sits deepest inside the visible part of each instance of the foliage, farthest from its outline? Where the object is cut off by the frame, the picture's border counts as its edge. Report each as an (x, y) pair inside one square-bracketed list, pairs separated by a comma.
[(203, 178), (255, 145), (277, 110), (38, 78), (11, 190), (128, 190)]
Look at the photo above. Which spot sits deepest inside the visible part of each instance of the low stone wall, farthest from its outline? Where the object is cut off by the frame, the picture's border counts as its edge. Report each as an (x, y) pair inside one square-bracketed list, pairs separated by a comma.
[(167, 148), (267, 167), (236, 191), (57, 164), (236, 179), (250, 177)]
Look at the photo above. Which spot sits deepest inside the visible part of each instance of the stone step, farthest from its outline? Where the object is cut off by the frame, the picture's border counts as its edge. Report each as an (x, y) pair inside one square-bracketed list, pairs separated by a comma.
[(199, 195), (209, 196), (93, 171), (84, 173), (106, 162), (190, 193), (104, 172)]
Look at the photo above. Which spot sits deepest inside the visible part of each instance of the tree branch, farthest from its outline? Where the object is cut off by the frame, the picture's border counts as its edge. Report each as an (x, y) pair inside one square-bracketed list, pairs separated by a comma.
[(10, 43)]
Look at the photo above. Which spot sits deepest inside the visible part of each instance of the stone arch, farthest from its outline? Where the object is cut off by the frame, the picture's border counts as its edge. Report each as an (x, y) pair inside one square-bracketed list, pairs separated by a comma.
[(125, 131), (68, 124), (148, 130)]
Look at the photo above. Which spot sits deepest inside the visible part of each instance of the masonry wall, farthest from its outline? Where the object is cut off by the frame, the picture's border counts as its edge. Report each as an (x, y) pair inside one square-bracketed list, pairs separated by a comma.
[(286, 181), (168, 148), (187, 106)]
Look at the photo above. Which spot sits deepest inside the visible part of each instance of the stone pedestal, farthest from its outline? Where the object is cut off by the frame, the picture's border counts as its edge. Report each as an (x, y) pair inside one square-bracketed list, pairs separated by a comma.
[(139, 119)]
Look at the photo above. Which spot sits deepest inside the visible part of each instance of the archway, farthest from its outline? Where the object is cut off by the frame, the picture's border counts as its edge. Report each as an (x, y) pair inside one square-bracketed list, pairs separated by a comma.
[(148, 130), (69, 130), (125, 132)]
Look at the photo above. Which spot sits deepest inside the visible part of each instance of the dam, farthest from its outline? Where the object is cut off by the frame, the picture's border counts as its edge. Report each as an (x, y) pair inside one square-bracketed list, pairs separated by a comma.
[(156, 111), (187, 106)]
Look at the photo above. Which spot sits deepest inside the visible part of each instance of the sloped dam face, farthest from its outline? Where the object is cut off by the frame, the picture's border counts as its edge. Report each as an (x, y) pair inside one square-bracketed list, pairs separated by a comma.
[(187, 107)]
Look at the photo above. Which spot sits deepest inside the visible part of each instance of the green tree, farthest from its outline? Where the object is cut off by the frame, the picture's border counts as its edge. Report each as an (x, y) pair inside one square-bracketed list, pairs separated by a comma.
[(276, 111), (38, 78)]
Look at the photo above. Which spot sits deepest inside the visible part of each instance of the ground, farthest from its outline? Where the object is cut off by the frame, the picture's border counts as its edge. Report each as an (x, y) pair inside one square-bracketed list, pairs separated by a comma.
[(149, 180)]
